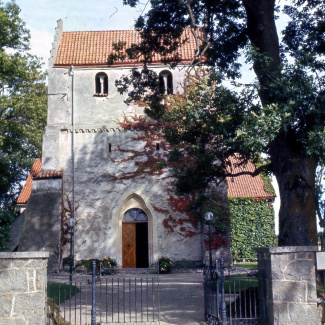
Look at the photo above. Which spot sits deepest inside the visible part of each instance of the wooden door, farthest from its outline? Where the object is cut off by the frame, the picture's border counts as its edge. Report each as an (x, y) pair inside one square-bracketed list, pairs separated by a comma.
[(129, 245)]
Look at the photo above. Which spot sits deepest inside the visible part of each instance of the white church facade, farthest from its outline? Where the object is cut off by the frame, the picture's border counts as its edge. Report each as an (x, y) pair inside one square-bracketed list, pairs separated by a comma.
[(90, 165)]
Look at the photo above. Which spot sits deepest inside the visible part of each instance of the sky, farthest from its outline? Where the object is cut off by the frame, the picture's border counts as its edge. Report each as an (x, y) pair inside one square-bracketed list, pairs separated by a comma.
[(41, 18)]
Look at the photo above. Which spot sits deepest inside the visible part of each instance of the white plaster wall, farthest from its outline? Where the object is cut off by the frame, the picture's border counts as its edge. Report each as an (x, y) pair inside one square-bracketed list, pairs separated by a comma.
[(74, 92), (101, 199)]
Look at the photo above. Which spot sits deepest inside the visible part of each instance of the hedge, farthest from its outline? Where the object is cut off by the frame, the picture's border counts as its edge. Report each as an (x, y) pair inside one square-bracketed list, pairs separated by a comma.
[(252, 225)]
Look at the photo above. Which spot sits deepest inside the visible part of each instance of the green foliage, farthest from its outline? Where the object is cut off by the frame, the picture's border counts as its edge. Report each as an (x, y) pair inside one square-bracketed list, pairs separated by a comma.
[(165, 265), (203, 129), (235, 284), (5, 223), (280, 115), (268, 187), (13, 34), (23, 98), (252, 225), (218, 206), (107, 262), (250, 266)]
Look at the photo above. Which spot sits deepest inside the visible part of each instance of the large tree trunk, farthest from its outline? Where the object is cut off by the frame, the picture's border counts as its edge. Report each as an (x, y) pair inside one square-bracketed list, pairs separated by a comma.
[(294, 171), (295, 174)]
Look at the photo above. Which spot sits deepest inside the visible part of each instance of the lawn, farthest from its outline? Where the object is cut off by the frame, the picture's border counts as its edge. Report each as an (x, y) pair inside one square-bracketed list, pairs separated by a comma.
[(248, 265), (235, 283), (61, 291)]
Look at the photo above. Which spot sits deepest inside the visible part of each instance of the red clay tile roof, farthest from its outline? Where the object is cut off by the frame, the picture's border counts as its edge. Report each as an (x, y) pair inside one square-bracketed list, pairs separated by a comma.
[(35, 173), (27, 189), (246, 185), (93, 48), (48, 174)]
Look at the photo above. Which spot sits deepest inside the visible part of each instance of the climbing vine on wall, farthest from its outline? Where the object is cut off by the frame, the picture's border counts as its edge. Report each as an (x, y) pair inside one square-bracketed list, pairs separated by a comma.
[(252, 225), (183, 212), (182, 225), (66, 214)]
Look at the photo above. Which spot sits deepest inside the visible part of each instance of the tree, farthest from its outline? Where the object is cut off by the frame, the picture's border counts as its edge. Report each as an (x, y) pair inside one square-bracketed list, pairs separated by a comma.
[(22, 111), (287, 121)]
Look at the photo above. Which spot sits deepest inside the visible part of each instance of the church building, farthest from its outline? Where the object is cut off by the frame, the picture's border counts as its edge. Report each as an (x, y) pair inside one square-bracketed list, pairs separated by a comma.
[(90, 164), (97, 172)]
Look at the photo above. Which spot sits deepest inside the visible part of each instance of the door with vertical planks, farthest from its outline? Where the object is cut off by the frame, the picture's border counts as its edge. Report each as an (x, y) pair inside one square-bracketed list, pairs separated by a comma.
[(129, 245)]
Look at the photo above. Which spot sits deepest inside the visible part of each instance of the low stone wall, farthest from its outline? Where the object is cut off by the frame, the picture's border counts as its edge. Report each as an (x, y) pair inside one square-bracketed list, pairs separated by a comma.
[(287, 288), (23, 283)]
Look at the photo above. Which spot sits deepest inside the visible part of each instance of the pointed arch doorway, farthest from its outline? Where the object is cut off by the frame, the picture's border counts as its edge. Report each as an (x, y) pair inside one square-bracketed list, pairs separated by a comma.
[(135, 249)]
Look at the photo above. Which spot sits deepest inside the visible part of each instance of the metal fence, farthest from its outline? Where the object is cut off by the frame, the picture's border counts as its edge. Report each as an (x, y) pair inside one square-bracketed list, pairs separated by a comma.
[(230, 299), (130, 299)]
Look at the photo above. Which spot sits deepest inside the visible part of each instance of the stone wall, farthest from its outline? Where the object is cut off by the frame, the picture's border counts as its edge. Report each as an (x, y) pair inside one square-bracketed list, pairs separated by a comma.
[(42, 225), (23, 283), (288, 286)]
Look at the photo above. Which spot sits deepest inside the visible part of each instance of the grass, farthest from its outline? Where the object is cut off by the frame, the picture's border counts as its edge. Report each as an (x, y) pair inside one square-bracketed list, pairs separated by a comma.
[(65, 294), (248, 265), (236, 283)]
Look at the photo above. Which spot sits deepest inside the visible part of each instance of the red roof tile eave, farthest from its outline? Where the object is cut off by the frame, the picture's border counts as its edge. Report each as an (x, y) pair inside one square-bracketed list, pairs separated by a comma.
[(102, 65), (27, 188)]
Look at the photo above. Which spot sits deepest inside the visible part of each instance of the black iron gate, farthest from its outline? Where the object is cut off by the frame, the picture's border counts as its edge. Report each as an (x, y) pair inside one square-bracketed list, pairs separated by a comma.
[(113, 299), (230, 299)]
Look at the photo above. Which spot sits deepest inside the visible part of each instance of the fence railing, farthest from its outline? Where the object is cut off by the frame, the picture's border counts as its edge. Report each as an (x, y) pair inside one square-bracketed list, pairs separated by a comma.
[(104, 300), (230, 298)]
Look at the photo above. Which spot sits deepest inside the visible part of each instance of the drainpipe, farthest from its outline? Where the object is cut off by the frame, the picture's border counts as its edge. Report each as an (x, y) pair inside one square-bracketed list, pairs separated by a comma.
[(71, 73)]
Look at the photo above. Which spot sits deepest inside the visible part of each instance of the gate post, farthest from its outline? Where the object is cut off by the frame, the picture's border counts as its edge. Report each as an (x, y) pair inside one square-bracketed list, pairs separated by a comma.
[(23, 285), (93, 305), (223, 301), (289, 280)]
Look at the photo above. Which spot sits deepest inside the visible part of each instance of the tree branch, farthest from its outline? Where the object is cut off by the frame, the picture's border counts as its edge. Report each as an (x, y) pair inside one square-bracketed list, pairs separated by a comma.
[(198, 54), (253, 174)]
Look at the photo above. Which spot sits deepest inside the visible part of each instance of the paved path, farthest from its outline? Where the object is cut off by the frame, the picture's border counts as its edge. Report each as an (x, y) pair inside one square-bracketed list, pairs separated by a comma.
[(181, 299)]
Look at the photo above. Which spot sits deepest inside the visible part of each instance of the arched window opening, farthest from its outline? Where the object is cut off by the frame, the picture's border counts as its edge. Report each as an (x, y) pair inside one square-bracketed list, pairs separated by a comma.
[(135, 215), (166, 82), (101, 84)]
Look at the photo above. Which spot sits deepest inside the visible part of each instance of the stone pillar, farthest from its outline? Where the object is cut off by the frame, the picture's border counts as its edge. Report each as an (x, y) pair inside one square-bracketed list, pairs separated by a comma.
[(287, 288), (23, 284)]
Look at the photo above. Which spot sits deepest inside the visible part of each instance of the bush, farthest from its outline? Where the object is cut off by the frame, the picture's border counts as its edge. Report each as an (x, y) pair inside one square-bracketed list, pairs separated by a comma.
[(107, 262), (252, 225), (165, 265)]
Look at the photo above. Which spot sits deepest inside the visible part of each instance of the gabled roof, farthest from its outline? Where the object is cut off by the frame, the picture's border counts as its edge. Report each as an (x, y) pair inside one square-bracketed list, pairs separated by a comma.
[(35, 173), (27, 189), (89, 49), (246, 185)]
